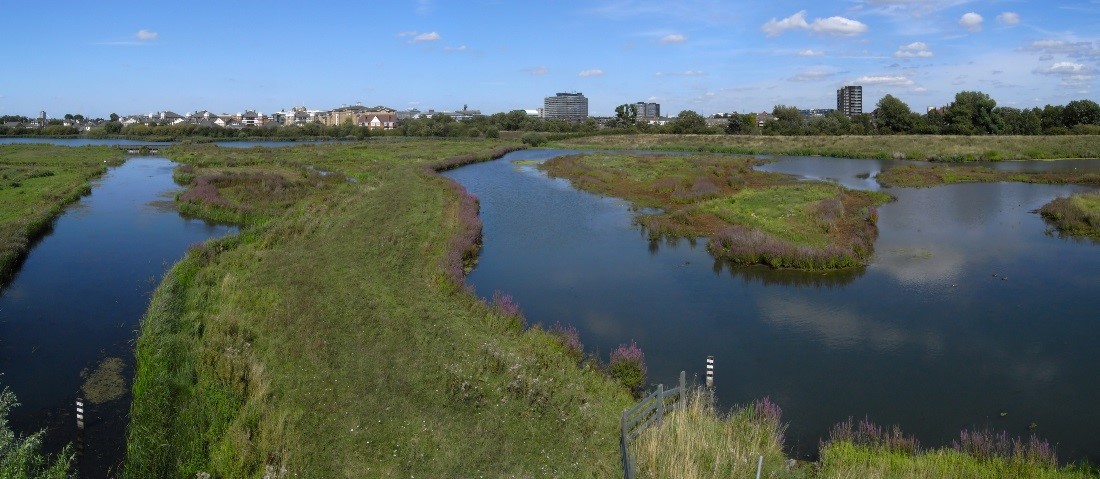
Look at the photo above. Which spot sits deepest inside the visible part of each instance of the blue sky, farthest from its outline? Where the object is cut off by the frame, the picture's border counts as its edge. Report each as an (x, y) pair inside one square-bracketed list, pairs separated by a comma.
[(96, 58)]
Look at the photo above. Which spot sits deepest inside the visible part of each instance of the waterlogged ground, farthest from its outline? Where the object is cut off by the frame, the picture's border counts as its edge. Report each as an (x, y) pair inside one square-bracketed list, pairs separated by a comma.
[(969, 315)]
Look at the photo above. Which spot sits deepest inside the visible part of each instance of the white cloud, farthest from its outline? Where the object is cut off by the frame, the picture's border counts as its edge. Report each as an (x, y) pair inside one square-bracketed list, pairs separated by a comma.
[(811, 75), (1084, 50), (884, 80), (829, 26), (685, 73), (810, 53), (1072, 74), (460, 48), (426, 37), (673, 38), (424, 7), (775, 27), (971, 21), (1009, 18), (595, 72), (838, 26), (145, 35), (920, 89), (913, 50), (537, 70)]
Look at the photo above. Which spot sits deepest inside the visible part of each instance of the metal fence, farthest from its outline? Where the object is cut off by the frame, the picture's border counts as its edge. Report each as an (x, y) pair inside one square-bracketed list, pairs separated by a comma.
[(648, 412)]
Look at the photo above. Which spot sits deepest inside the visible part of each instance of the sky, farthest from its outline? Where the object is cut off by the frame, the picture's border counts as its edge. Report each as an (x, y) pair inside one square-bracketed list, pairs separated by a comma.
[(98, 58)]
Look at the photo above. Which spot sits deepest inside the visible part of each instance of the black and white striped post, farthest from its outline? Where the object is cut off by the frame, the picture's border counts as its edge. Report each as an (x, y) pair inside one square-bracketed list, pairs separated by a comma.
[(79, 427), (710, 372)]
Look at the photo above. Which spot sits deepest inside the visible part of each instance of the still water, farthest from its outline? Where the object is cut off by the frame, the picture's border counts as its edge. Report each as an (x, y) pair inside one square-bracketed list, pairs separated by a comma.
[(969, 316), (77, 301)]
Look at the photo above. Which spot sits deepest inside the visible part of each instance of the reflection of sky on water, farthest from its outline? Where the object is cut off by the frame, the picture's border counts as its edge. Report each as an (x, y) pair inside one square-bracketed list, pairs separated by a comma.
[(925, 336)]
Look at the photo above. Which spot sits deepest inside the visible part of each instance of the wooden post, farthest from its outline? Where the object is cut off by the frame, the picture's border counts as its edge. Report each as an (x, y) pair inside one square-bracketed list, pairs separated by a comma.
[(710, 372), (683, 389), (624, 448), (660, 403)]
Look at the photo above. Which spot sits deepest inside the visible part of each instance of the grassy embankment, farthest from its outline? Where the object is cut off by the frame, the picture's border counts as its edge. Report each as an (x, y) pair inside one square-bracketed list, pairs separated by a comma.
[(329, 339), (1078, 215), (36, 182), (916, 147), (750, 217)]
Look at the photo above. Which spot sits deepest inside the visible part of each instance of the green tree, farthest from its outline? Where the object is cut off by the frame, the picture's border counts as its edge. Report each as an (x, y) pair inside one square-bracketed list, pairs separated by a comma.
[(626, 115), (689, 121), (893, 115), (972, 113), (1080, 112), (788, 121), (741, 124), (114, 117), (832, 123)]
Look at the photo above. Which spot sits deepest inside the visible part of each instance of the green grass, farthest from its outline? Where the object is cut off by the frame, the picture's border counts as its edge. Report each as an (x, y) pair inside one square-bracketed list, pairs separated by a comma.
[(327, 341), (36, 182), (914, 147), (926, 176), (843, 460), (749, 216)]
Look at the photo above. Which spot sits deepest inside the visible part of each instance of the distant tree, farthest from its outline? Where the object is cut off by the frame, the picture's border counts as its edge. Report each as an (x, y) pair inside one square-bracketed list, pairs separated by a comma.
[(741, 124), (832, 123), (689, 121), (1053, 117), (114, 117), (1020, 122), (112, 127), (68, 116), (1080, 112), (893, 115), (626, 115), (788, 121), (972, 113)]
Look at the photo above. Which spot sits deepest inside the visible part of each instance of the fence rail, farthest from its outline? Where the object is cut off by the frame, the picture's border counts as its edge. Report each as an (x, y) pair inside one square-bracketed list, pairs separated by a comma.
[(647, 412)]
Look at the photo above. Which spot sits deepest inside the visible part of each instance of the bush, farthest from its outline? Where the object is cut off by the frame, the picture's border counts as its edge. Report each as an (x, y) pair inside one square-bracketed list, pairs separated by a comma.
[(533, 139), (628, 367)]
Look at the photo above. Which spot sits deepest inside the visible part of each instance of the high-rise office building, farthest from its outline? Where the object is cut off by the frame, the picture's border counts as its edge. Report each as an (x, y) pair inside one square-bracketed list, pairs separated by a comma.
[(849, 100), (566, 106), (648, 111)]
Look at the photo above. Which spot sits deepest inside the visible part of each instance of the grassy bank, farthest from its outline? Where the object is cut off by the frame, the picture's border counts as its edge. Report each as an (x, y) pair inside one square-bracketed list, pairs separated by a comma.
[(926, 176), (751, 217), (1075, 216), (329, 340), (699, 442), (930, 147), (36, 182)]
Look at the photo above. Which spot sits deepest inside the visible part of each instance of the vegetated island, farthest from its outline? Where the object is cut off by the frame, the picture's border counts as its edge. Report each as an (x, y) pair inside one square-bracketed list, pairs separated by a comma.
[(1075, 216), (922, 176), (948, 148), (36, 182), (750, 217)]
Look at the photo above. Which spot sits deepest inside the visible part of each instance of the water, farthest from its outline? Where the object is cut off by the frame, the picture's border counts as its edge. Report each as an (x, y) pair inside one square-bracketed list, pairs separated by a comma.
[(967, 311), (78, 300)]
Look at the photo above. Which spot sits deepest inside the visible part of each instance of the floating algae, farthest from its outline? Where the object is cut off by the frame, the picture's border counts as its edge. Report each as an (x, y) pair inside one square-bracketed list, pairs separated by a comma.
[(106, 382)]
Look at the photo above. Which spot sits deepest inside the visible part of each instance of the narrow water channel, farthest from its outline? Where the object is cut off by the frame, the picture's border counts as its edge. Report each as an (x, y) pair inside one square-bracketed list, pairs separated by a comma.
[(969, 316), (70, 316)]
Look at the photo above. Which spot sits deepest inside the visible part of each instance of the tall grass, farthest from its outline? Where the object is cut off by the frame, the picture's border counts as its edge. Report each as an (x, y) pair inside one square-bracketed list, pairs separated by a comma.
[(21, 457), (925, 176), (697, 442), (1075, 216)]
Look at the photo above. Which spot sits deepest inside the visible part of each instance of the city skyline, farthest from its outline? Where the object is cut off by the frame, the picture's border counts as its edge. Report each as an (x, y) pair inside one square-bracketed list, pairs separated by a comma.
[(707, 56)]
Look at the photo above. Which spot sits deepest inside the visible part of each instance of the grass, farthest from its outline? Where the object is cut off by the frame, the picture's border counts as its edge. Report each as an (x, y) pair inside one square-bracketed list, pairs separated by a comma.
[(915, 147), (329, 340), (36, 183), (750, 217), (934, 175), (1075, 216)]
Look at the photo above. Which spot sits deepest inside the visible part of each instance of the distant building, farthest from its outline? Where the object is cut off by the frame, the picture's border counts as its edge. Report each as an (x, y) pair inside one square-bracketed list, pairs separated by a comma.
[(849, 100), (815, 113), (648, 111), (566, 106)]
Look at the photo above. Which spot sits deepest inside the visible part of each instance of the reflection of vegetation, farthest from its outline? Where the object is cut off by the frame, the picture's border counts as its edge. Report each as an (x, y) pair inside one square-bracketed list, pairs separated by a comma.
[(20, 457), (788, 277), (327, 339), (1078, 215), (105, 383), (751, 217), (913, 147), (923, 176), (36, 182)]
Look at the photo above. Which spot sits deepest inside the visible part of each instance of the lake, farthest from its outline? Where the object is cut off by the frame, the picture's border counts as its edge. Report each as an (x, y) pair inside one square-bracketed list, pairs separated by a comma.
[(77, 301), (970, 315)]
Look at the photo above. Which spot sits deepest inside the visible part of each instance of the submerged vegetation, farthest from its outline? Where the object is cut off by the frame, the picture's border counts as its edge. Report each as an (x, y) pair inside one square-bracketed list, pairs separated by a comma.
[(1075, 216), (934, 175), (912, 147), (751, 217), (36, 182)]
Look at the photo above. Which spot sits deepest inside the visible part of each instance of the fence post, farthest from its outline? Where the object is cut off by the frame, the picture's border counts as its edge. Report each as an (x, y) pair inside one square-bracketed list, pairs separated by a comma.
[(710, 372), (660, 403), (683, 383), (624, 448), (79, 428)]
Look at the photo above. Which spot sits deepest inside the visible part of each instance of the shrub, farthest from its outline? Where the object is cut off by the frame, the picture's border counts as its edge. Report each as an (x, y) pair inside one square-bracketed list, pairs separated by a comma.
[(570, 340), (533, 139), (628, 367)]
